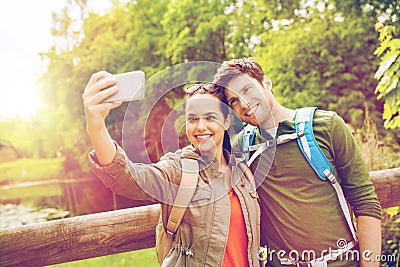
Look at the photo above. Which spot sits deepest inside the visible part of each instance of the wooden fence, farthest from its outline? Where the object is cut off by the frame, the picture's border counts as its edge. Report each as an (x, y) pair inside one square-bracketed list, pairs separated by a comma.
[(117, 231)]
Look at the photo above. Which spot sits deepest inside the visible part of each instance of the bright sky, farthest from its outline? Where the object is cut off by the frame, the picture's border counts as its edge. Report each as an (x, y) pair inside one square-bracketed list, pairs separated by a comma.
[(24, 32)]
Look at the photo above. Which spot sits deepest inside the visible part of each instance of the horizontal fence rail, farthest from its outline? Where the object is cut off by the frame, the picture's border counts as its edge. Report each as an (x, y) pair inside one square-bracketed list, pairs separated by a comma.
[(117, 231)]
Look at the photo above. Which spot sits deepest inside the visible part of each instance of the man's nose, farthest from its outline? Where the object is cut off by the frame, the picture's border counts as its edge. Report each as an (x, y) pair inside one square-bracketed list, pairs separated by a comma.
[(244, 103)]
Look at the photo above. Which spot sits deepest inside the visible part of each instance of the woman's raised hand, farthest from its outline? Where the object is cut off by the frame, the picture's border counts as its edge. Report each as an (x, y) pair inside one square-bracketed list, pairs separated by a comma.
[(96, 91)]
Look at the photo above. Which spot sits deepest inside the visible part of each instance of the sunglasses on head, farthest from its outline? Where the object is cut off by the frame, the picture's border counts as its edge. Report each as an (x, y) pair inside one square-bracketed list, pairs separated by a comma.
[(210, 88)]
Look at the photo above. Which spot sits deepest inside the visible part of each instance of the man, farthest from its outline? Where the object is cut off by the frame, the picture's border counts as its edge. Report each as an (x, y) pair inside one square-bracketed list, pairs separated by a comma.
[(301, 218)]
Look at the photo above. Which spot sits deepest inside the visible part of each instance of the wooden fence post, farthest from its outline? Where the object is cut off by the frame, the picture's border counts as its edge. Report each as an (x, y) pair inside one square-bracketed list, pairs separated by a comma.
[(79, 237), (117, 231)]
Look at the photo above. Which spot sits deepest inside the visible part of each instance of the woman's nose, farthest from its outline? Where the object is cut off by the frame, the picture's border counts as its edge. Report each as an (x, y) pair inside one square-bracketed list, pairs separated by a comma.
[(202, 124)]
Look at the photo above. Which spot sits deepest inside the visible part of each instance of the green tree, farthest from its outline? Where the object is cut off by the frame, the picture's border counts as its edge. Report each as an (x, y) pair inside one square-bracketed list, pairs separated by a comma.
[(324, 62), (312, 57), (61, 88), (195, 30), (125, 38), (388, 74)]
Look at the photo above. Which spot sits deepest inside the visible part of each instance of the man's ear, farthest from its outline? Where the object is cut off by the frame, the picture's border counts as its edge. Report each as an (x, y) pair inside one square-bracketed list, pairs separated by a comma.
[(267, 83)]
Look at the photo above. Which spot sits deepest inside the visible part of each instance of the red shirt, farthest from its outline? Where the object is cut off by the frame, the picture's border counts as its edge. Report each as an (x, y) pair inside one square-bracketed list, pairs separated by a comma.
[(236, 253)]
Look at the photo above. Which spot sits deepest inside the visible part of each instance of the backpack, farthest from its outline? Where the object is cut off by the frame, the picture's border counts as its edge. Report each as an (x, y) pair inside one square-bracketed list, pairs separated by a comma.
[(312, 152), (187, 187)]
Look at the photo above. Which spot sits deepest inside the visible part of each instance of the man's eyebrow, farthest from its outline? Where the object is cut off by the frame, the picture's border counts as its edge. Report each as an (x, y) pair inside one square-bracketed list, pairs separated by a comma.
[(241, 91), (245, 87), (232, 97)]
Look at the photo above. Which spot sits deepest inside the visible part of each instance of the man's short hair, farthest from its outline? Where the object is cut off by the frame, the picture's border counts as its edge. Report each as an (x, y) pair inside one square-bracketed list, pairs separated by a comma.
[(235, 67)]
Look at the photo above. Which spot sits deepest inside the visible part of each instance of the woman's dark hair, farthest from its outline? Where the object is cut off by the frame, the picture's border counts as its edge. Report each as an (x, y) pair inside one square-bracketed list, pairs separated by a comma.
[(217, 91)]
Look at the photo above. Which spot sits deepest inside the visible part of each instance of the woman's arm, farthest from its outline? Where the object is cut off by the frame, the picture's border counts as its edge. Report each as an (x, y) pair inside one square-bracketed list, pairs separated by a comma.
[(96, 112)]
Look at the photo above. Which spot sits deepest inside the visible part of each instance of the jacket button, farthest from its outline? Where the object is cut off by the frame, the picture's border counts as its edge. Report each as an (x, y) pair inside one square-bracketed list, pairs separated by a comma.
[(188, 253)]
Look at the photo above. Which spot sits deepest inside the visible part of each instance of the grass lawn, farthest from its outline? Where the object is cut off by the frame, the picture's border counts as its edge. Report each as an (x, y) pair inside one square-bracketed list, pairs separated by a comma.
[(30, 169), (139, 258), (30, 193)]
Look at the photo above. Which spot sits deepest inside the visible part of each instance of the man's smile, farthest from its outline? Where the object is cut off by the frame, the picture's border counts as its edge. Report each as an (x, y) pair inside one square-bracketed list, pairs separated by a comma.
[(252, 109)]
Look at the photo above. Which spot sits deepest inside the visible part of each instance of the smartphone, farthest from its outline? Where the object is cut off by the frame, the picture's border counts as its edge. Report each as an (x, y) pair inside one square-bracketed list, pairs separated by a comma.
[(130, 86)]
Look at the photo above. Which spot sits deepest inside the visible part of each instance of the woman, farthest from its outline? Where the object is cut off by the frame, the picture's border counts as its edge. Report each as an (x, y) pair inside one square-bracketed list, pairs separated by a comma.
[(221, 225)]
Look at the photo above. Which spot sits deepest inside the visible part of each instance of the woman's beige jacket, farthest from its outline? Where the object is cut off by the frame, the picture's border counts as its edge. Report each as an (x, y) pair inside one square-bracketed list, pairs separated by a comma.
[(202, 236)]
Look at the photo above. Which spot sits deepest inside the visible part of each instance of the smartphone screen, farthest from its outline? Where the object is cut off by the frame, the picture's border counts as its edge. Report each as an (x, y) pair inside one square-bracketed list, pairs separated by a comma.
[(130, 86)]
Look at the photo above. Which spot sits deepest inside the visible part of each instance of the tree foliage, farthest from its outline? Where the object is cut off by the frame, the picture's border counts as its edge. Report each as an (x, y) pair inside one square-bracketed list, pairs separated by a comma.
[(316, 52), (195, 30), (324, 63), (388, 74)]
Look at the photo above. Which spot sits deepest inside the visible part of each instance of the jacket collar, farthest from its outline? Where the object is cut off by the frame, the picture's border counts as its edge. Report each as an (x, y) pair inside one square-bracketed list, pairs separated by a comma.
[(191, 152)]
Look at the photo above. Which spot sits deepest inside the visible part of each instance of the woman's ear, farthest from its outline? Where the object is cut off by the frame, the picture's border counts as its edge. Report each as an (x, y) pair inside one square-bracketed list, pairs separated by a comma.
[(227, 122), (267, 83)]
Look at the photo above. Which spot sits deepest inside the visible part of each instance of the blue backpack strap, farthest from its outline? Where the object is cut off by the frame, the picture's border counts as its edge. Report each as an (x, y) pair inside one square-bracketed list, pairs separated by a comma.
[(248, 139), (318, 161), (307, 143)]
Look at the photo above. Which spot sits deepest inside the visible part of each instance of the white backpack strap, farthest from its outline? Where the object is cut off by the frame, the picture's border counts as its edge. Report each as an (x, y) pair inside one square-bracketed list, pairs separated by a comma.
[(260, 149), (342, 201), (249, 133), (322, 167), (251, 148), (284, 138), (317, 159), (301, 119), (323, 260), (187, 187)]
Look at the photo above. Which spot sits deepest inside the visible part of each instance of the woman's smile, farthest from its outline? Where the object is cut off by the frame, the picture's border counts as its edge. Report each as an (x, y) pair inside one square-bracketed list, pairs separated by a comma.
[(205, 128), (203, 137)]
